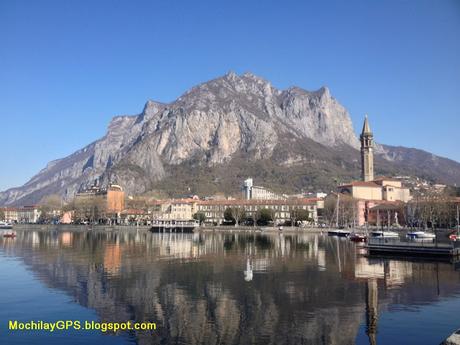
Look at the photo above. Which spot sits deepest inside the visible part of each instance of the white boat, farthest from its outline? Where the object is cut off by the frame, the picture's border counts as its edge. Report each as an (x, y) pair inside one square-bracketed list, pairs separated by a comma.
[(384, 234), (338, 232), (420, 235), (5, 225)]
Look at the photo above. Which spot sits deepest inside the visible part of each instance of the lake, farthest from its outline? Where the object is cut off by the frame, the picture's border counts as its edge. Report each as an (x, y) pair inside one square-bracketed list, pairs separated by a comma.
[(221, 288)]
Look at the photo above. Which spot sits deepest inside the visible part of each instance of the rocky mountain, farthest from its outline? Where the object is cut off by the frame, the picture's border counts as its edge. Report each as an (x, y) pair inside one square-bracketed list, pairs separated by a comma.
[(221, 131)]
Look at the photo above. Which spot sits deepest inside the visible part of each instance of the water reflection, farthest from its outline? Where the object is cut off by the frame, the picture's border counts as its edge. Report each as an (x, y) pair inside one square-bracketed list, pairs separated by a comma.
[(232, 288)]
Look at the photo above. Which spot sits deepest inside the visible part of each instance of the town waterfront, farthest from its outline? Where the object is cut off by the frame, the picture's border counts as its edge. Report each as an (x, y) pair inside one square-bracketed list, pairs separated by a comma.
[(221, 288)]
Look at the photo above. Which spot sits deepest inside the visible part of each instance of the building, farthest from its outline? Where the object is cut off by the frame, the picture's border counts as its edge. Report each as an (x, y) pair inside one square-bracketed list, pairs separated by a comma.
[(282, 208), (367, 152), (385, 192), (115, 197), (370, 188), (24, 214), (362, 190), (133, 216), (110, 200), (251, 192), (28, 214), (382, 188), (174, 209), (10, 214), (393, 190), (66, 217)]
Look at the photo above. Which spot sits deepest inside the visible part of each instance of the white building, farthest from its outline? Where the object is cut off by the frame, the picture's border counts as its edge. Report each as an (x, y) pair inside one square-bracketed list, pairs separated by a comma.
[(28, 214), (251, 192)]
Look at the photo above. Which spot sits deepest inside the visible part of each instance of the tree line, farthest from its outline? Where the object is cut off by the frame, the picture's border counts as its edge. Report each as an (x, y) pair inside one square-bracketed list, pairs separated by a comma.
[(262, 217)]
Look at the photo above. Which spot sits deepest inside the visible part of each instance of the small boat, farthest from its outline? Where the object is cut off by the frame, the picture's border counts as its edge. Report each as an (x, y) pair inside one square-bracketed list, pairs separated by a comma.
[(5, 225), (339, 233), (384, 234), (357, 237), (454, 235), (420, 235), (10, 235)]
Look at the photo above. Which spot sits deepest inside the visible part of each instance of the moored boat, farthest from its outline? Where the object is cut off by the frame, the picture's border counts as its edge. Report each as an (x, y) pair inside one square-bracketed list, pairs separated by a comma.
[(174, 225), (357, 237), (454, 235), (384, 234), (10, 235), (5, 225), (420, 235), (338, 232)]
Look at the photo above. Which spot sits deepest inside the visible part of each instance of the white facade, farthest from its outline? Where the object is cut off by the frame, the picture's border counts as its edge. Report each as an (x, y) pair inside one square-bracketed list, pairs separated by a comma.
[(251, 192), (28, 214)]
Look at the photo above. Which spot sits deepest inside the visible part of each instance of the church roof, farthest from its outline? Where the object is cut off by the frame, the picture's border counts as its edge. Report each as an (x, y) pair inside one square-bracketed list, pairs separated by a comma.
[(366, 127)]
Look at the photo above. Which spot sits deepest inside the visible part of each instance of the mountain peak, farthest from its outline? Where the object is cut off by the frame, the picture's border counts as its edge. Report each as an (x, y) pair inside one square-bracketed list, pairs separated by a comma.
[(231, 75), (243, 78), (233, 118), (324, 91)]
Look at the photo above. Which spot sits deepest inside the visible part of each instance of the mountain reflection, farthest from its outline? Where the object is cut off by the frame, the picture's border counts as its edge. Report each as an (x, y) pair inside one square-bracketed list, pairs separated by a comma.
[(231, 288)]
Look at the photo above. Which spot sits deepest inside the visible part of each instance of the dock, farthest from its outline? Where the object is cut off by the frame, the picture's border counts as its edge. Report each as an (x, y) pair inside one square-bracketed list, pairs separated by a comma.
[(401, 248), (167, 225)]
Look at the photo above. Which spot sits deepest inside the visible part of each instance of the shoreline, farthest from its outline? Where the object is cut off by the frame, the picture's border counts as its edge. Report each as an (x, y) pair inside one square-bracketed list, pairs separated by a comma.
[(75, 227), (203, 229)]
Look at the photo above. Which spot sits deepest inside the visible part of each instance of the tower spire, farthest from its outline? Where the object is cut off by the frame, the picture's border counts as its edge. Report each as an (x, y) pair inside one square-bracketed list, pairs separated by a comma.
[(367, 152), (366, 127)]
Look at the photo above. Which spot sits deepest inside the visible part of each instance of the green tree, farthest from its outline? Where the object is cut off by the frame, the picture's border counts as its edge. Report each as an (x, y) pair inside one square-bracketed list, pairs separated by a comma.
[(265, 216), (200, 216), (2, 214)]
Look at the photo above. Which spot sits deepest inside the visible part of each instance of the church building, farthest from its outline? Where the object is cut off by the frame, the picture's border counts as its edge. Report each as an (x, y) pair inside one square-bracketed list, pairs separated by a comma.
[(371, 191)]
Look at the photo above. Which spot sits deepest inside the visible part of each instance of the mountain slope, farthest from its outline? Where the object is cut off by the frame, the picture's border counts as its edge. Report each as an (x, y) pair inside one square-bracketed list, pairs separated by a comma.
[(219, 132)]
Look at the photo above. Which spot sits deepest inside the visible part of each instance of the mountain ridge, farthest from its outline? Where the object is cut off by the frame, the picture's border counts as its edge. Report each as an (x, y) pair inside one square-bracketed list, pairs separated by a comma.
[(219, 123)]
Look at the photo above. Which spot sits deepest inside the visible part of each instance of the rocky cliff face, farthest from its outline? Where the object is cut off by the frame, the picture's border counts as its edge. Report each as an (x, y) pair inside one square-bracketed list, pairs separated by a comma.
[(211, 124)]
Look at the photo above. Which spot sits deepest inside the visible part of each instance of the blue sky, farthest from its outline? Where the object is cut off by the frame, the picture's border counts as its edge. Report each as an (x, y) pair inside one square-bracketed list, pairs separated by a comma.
[(68, 67)]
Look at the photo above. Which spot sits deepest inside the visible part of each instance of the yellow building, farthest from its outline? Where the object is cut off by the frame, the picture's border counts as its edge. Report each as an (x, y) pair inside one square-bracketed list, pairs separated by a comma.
[(393, 190), (362, 190), (383, 188), (10, 214), (174, 209)]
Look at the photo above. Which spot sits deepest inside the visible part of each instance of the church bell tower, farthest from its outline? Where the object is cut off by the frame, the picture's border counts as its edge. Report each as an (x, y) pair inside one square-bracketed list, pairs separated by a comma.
[(367, 152)]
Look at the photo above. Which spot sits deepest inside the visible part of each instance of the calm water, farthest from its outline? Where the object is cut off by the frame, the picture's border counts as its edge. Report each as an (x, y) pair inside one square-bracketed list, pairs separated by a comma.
[(222, 289)]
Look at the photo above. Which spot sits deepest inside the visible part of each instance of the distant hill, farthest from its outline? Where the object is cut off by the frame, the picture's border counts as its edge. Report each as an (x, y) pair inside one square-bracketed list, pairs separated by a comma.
[(220, 132)]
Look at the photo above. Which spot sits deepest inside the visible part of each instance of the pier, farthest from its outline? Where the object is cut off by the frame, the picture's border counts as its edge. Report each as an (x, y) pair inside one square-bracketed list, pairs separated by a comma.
[(424, 248), (167, 225)]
